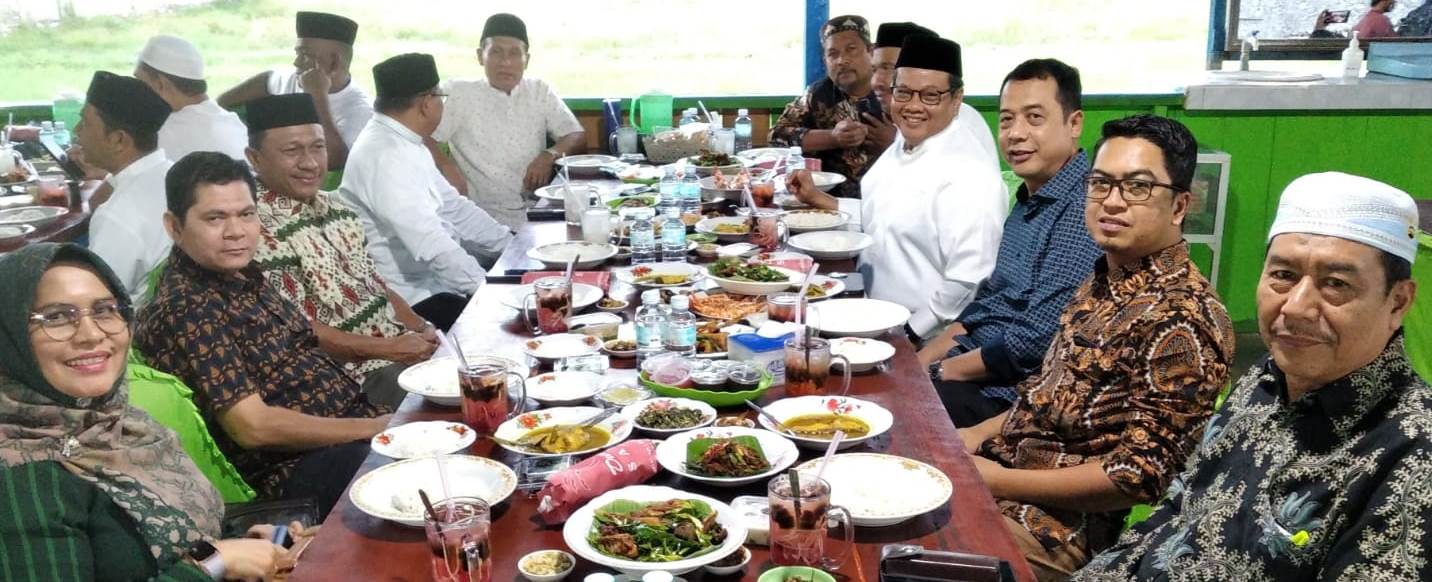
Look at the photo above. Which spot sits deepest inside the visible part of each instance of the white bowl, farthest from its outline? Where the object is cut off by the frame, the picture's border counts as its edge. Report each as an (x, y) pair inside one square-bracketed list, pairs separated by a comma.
[(780, 452), (860, 482), (814, 219), (763, 155), (556, 255), (391, 492), (693, 273), (825, 181), (586, 160), (583, 296), (436, 380), (574, 533), (706, 171), (563, 388), (561, 345), (558, 194), (10, 232), (877, 417), (633, 410), (571, 563), (518, 426), (423, 439), (864, 353), (832, 244), (36, 216), (708, 226), (759, 288), (858, 317), (728, 570)]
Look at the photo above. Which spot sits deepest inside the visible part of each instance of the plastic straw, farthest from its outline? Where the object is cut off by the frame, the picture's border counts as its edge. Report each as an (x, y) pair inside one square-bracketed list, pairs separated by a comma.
[(750, 200), (709, 118), (829, 452), (801, 295), (452, 346), (443, 480)]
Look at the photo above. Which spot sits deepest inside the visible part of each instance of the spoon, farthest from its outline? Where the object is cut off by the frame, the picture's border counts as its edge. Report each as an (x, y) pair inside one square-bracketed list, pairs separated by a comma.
[(769, 418)]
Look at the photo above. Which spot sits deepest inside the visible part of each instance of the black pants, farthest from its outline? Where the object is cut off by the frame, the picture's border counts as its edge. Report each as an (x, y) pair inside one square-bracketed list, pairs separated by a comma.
[(966, 406), (323, 474), (442, 309)]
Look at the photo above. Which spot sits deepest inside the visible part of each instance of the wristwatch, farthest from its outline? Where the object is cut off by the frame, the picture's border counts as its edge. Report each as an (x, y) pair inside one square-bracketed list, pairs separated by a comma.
[(207, 558), (552, 152)]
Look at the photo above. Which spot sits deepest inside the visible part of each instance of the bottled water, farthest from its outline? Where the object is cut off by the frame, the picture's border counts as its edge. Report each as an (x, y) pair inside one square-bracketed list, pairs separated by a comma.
[(62, 135), (688, 116), (643, 237), (681, 327), (670, 189), (673, 237), (690, 192), (650, 326), (743, 130), (794, 160)]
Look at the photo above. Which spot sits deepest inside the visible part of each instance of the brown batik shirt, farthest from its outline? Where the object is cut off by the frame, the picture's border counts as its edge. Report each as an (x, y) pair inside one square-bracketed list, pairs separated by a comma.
[(229, 338), (821, 107), (1141, 354)]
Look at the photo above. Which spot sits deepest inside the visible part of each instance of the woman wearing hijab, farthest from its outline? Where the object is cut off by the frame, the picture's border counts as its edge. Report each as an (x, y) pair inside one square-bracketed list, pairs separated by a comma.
[(92, 488)]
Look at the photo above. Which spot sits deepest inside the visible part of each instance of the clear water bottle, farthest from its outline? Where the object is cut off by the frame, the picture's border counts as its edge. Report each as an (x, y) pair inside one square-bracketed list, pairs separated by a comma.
[(47, 128), (794, 160), (743, 130), (62, 135), (670, 189), (690, 192), (650, 326), (643, 237), (681, 327), (673, 237), (687, 117)]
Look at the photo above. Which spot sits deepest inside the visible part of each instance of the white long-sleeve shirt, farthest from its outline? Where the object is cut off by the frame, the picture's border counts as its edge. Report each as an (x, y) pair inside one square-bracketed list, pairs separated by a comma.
[(936, 214), (127, 231), (203, 127), (423, 235), (976, 131), (350, 106)]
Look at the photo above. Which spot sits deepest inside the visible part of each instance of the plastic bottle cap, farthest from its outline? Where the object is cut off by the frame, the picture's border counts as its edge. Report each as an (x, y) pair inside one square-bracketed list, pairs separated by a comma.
[(742, 112), (680, 302), (651, 297)]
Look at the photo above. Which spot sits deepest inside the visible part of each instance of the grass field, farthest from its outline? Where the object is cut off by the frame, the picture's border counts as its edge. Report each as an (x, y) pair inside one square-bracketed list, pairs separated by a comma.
[(624, 47)]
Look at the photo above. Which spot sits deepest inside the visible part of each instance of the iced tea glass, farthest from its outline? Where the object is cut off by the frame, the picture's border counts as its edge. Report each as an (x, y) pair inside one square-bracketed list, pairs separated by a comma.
[(769, 230), (461, 550), (483, 383), (801, 522), (552, 297), (784, 306), (808, 367)]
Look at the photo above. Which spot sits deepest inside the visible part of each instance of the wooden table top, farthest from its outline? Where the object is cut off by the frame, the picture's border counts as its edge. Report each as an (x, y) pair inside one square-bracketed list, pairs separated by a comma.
[(354, 546)]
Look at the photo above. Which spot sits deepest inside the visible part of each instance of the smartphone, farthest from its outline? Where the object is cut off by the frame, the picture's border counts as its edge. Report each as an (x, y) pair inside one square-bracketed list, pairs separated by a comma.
[(870, 105), (281, 537), (1338, 16)]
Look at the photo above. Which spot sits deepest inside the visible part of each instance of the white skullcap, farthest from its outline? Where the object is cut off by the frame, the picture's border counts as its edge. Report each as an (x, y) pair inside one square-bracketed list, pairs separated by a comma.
[(1349, 207), (173, 55)]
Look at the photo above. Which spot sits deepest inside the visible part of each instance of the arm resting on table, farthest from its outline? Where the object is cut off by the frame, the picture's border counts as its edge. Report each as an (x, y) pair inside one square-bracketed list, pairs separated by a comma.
[(255, 425)]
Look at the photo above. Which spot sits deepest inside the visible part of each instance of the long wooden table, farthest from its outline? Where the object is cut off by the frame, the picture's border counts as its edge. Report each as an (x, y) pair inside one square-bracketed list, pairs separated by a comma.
[(355, 546)]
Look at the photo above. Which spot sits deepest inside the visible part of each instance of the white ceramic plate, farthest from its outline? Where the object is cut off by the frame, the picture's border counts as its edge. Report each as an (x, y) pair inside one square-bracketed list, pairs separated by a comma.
[(561, 345), (574, 533), (583, 296), (555, 192), (833, 287), (858, 317), (436, 380), (391, 492), (518, 426), (861, 482), (586, 161), (705, 171), (762, 155), (13, 231), (825, 181), (759, 288), (632, 411), (780, 452), (832, 244), (563, 388), (708, 226), (864, 353), (423, 439), (556, 255), (628, 275), (877, 417), (811, 220), (35, 216)]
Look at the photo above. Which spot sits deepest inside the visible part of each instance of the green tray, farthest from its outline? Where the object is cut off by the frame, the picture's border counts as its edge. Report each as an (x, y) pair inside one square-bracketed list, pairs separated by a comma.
[(719, 399)]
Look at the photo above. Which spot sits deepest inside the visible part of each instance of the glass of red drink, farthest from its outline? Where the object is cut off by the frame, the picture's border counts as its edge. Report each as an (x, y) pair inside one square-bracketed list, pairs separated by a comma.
[(808, 366), (784, 306), (763, 191), (552, 297), (769, 230), (458, 538), (483, 383), (800, 524)]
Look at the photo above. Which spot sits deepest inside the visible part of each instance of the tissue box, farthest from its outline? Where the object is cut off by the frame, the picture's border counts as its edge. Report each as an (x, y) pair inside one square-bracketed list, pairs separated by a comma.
[(769, 353)]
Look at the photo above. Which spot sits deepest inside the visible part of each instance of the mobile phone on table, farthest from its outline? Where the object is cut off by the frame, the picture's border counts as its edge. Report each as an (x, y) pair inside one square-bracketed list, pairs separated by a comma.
[(1338, 16)]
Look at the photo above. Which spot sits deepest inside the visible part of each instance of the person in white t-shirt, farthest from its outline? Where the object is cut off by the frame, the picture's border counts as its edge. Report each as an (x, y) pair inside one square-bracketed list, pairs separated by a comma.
[(499, 128), (323, 55), (173, 68)]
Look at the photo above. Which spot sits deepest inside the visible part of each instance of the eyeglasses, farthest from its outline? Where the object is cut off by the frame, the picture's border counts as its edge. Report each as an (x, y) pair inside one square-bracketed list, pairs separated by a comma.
[(61, 322), (440, 95), (928, 96), (1132, 189)]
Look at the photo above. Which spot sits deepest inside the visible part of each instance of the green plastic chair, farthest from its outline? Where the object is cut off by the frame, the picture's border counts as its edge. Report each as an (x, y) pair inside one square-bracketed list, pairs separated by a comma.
[(170, 402), (1417, 327)]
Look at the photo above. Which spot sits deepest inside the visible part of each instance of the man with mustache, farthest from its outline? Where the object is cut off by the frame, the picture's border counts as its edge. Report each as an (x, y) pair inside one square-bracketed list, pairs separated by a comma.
[(933, 205), (313, 252), (1317, 467), (825, 122), (1140, 355)]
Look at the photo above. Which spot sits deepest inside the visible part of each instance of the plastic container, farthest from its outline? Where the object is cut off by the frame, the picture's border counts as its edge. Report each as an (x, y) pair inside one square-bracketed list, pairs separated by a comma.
[(766, 353), (643, 237), (650, 325), (1352, 58), (743, 128), (690, 192), (66, 107), (673, 237), (680, 336)]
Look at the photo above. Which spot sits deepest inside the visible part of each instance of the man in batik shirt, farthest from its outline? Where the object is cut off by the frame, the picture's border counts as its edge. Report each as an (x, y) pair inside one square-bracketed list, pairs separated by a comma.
[(825, 122), (313, 251), (1141, 353), (1318, 466)]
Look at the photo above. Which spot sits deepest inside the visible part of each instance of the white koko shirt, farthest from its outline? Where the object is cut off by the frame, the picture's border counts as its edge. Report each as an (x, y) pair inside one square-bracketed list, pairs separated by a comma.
[(203, 127), (351, 107), (422, 234), (127, 231), (494, 136)]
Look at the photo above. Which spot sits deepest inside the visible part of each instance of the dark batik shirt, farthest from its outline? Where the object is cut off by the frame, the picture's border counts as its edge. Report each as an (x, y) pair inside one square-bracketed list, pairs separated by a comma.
[(229, 338), (1046, 253), (821, 107), (1140, 356), (1334, 486)]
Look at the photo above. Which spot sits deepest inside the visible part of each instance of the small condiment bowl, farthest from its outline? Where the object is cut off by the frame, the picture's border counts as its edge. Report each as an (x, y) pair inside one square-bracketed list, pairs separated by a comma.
[(735, 421), (728, 570), (522, 566), (707, 250), (798, 572), (614, 307)]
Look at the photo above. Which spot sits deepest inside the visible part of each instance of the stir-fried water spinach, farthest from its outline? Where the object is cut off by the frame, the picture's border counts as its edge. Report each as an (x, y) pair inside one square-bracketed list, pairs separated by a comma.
[(658, 531)]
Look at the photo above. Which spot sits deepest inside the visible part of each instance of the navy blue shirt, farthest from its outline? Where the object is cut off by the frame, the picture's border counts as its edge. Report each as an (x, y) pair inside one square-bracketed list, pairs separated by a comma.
[(1046, 253)]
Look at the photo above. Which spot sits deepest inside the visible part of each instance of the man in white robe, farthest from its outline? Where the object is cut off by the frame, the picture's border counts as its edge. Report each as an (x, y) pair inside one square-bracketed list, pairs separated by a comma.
[(174, 70)]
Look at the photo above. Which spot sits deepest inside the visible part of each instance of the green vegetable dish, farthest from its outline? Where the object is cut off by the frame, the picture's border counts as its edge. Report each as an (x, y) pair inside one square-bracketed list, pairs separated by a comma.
[(735, 269), (663, 414), (658, 531)]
